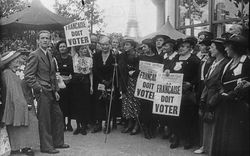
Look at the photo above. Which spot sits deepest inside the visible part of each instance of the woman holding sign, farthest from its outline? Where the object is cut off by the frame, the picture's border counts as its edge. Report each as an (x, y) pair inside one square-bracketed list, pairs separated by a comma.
[(81, 87), (148, 120), (187, 64)]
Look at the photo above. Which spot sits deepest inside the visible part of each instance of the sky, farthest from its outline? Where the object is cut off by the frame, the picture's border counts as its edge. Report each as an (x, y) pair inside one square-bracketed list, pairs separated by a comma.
[(116, 15)]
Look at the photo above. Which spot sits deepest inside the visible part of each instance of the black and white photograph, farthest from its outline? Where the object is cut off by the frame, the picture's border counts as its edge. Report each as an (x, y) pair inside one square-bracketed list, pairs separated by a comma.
[(124, 78)]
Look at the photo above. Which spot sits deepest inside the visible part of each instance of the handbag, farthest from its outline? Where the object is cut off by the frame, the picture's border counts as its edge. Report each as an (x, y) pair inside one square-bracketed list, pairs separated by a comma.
[(209, 117), (60, 81), (4, 142)]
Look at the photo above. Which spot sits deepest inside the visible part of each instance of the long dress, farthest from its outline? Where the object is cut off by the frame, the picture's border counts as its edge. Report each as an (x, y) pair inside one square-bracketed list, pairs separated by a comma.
[(231, 132), (65, 67), (130, 104), (21, 122), (80, 88), (184, 124)]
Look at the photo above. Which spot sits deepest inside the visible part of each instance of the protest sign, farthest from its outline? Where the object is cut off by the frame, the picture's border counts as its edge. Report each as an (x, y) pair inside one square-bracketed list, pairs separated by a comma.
[(76, 34), (145, 86), (167, 100)]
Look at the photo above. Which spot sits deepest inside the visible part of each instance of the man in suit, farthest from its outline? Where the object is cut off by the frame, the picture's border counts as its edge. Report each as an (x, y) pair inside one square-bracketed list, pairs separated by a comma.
[(40, 75)]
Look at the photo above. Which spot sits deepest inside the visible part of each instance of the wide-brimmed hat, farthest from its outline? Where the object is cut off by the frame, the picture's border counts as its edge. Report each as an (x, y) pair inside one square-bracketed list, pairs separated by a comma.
[(191, 40), (148, 42), (218, 40), (165, 37), (8, 57), (131, 41), (170, 41), (237, 40)]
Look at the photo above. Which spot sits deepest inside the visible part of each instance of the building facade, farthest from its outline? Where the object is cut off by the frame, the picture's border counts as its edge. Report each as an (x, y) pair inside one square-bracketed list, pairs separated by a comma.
[(192, 16)]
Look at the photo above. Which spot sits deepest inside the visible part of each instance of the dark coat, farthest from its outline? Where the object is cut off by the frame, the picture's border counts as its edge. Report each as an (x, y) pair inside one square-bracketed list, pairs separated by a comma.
[(213, 85)]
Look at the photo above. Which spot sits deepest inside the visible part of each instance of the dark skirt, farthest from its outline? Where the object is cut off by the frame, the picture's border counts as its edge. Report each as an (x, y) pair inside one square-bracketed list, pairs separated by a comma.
[(80, 98), (231, 131), (130, 104), (64, 101)]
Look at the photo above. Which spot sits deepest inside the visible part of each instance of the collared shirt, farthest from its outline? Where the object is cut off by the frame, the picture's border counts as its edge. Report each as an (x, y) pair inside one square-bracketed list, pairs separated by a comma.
[(44, 51)]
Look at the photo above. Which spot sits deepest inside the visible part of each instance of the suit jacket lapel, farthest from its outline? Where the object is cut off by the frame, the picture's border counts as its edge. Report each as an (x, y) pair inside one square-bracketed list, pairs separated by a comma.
[(44, 57)]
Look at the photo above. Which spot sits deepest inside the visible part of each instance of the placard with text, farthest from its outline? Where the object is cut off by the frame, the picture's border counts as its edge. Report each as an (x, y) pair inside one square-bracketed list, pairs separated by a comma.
[(76, 34)]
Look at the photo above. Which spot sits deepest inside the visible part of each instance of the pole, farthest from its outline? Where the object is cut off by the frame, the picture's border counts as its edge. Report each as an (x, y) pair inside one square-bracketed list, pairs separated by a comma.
[(110, 101)]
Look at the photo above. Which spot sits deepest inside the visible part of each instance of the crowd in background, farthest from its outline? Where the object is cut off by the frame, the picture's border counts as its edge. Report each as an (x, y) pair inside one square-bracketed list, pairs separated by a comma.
[(215, 103)]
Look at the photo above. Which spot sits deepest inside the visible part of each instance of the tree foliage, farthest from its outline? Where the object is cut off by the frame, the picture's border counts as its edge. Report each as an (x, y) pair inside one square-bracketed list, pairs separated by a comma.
[(9, 7), (89, 12)]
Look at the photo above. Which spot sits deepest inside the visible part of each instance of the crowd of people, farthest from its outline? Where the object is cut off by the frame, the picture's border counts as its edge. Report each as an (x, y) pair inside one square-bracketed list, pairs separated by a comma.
[(214, 106)]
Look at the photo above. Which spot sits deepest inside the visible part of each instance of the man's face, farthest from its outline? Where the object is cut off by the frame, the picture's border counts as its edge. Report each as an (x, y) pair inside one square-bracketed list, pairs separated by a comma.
[(185, 48), (44, 40), (203, 48), (159, 41)]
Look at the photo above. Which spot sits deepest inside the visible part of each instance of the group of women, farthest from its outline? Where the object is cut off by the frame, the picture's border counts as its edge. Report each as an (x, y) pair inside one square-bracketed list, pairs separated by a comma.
[(215, 89)]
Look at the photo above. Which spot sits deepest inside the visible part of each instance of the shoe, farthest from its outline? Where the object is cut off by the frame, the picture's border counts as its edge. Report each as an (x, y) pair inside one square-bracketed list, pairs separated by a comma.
[(175, 142), (146, 134), (135, 131), (199, 151), (77, 131), (62, 146), (83, 131), (96, 129), (127, 129), (52, 151), (69, 128), (27, 151)]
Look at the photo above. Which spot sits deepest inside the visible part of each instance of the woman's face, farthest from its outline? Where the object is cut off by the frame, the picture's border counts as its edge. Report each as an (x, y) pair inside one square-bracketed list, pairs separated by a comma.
[(229, 50), (145, 48), (203, 48), (127, 46), (115, 43), (83, 50), (167, 48), (63, 48), (14, 64), (159, 41), (213, 50), (184, 49), (105, 46)]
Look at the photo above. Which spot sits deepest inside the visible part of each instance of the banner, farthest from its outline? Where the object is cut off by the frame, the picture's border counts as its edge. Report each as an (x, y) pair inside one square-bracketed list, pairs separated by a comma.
[(76, 34), (145, 85), (167, 97)]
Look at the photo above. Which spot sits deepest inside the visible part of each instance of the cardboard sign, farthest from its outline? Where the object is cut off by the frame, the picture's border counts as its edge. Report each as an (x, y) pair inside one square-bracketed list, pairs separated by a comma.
[(167, 99), (76, 34), (145, 86)]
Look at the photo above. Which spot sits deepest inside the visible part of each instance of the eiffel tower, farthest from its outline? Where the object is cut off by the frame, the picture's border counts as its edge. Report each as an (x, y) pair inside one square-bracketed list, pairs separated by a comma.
[(132, 29)]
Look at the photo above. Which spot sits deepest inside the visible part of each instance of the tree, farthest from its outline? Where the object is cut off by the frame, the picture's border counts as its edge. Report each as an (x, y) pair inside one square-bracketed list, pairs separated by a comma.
[(89, 12), (9, 7)]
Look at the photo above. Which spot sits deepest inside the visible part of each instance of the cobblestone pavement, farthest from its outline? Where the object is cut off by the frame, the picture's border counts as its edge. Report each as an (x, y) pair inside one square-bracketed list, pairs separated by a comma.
[(118, 144)]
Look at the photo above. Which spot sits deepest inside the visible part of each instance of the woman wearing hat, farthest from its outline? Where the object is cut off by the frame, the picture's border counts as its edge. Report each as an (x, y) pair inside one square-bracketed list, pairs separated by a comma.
[(210, 92), (158, 41), (187, 64), (128, 65), (65, 68), (231, 131), (19, 112), (148, 120)]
